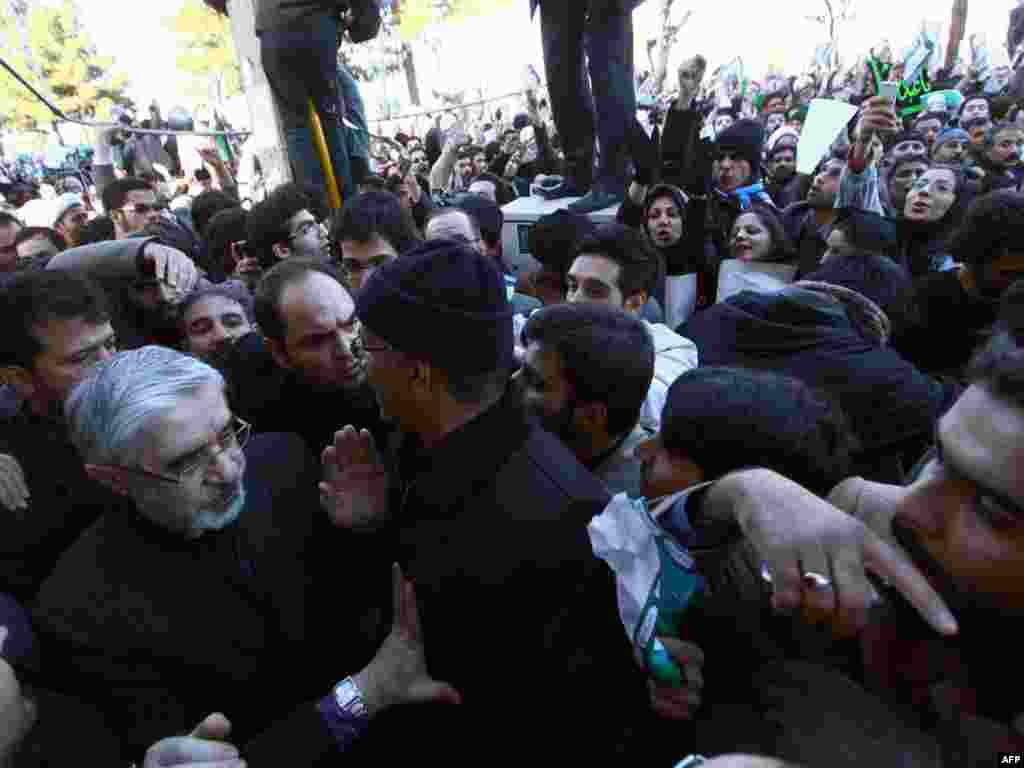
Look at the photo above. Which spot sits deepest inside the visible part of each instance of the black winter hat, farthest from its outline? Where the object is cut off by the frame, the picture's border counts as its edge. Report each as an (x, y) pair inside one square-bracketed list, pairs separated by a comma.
[(746, 139), (520, 121), (552, 240), (444, 303)]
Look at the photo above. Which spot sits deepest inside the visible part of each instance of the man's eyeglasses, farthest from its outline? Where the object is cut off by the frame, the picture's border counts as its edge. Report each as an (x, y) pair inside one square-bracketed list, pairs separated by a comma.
[(234, 436)]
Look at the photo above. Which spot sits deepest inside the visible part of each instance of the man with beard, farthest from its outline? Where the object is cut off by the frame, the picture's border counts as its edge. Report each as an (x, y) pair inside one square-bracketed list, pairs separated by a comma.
[(214, 575), (958, 307), (948, 686), (585, 376), (132, 205), (305, 370), (809, 223), (1001, 157), (56, 327), (951, 147), (213, 319), (144, 281), (783, 184)]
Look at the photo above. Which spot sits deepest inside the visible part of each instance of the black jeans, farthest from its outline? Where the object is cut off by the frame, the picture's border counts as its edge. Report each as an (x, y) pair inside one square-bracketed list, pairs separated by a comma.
[(607, 102), (301, 63)]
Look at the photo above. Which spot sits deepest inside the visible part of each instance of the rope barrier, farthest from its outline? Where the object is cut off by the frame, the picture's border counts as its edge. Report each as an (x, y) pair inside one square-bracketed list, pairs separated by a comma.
[(120, 126), (449, 108)]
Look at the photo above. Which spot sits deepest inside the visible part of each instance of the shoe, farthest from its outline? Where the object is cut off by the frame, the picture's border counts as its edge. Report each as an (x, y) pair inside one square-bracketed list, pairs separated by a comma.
[(567, 187), (598, 199)]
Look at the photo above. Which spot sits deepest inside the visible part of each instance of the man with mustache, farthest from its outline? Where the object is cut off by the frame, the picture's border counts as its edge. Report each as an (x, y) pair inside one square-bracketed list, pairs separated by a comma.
[(949, 680), (305, 370), (210, 580), (1001, 158)]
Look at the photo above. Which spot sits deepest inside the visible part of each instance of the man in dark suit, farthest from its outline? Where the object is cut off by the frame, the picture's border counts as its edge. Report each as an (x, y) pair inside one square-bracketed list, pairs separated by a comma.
[(603, 29), (491, 513), (209, 590)]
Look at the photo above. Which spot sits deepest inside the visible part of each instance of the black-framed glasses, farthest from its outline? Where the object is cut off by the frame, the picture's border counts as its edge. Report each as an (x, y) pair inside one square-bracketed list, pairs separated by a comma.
[(234, 436)]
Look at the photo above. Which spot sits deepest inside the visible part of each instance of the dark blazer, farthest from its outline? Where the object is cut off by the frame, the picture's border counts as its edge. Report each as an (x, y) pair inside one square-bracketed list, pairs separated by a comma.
[(517, 612), (64, 502), (160, 631)]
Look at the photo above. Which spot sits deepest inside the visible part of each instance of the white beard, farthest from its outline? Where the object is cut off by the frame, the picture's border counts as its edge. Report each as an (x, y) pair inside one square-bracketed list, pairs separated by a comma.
[(218, 519)]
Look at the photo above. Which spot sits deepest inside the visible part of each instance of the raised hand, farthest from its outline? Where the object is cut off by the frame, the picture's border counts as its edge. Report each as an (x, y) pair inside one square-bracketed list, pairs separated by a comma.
[(398, 673), (354, 491), (14, 492)]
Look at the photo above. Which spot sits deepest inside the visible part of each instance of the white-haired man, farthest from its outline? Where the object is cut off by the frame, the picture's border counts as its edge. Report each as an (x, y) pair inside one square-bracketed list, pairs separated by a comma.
[(212, 588)]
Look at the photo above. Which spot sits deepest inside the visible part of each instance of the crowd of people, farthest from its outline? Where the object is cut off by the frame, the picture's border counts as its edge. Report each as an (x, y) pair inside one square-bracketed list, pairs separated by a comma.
[(261, 462)]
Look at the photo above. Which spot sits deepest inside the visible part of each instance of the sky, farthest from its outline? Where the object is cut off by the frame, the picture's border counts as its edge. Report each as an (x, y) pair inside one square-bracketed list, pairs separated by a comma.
[(490, 52)]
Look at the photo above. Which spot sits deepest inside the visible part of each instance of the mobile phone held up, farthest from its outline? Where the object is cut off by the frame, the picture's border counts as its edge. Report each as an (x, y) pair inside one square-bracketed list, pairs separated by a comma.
[(889, 89)]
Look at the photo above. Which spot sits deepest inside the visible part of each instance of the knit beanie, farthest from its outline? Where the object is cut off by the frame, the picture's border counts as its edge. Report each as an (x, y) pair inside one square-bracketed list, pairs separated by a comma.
[(445, 303), (950, 134), (746, 139), (520, 121), (907, 135)]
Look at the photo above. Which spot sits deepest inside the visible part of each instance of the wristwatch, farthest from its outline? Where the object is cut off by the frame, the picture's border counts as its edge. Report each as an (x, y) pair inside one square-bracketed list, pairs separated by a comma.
[(350, 700)]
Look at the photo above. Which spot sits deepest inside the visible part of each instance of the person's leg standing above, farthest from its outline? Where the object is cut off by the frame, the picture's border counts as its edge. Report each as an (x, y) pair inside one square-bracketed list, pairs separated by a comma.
[(562, 24), (609, 45)]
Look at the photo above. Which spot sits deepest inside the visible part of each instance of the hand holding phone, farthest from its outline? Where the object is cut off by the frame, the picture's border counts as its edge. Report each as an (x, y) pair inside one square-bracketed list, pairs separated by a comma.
[(889, 89)]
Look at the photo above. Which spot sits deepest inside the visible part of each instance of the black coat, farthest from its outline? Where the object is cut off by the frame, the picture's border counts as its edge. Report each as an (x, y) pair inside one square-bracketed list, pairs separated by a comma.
[(891, 406), (952, 325), (517, 612), (160, 631), (64, 502)]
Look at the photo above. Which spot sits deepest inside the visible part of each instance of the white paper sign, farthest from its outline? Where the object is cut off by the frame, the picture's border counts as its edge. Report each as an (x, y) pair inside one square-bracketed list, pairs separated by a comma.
[(761, 276), (680, 299), (825, 119)]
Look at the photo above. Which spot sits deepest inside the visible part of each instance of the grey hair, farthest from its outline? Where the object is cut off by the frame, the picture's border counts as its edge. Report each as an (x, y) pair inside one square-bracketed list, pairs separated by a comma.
[(108, 411)]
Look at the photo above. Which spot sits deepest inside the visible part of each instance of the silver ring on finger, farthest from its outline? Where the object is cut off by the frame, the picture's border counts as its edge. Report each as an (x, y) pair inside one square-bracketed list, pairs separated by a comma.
[(814, 580)]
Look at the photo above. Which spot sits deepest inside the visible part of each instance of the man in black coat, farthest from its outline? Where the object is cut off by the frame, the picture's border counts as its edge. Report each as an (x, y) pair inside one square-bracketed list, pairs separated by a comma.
[(56, 326), (213, 580), (305, 373), (491, 513)]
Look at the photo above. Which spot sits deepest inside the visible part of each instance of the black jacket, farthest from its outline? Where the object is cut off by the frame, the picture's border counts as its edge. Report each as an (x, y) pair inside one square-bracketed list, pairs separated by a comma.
[(64, 502), (517, 612), (952, 325), (160, 630), (276, 400), (891, 406)]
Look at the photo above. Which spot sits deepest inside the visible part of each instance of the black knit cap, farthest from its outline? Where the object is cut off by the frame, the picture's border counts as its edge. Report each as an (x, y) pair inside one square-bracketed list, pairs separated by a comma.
[(746, 139), (444, 303)]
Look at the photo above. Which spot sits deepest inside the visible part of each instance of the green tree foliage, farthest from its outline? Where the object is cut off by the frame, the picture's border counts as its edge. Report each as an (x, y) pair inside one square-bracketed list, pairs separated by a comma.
[(206, 49), (49, 47)]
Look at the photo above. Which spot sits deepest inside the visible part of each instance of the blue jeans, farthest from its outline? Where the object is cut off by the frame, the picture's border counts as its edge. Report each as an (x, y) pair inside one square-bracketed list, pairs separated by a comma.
[(300, 61)]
